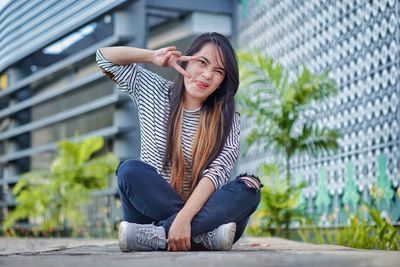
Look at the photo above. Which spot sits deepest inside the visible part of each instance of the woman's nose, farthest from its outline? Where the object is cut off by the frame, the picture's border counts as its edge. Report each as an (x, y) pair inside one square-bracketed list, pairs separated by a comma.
[(207, 74)]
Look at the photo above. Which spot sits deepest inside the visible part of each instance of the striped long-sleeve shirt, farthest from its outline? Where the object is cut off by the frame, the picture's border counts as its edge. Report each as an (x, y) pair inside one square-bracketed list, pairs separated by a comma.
[(150, 92)]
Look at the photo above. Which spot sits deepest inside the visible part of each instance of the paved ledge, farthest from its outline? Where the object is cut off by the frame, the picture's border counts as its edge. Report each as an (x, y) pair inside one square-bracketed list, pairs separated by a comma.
[(247, 252)]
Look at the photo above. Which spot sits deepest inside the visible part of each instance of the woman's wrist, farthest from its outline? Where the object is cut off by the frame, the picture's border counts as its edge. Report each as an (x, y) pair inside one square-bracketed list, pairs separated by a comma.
[(123, 55), (142, 55), (185, 215), (150, 56)]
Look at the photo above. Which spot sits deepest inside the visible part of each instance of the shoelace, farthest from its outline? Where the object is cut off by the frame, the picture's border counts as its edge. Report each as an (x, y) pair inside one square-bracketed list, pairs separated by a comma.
[(206, 239), (149, 237)]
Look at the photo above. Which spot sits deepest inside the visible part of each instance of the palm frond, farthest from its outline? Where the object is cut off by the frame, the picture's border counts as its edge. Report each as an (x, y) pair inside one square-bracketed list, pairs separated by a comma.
[(314, 139), (278, 106), (312, 87)]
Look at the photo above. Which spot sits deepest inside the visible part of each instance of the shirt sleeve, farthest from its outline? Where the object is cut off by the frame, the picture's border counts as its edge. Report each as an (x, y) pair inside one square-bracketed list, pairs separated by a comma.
[(132, 79), (219, 170)]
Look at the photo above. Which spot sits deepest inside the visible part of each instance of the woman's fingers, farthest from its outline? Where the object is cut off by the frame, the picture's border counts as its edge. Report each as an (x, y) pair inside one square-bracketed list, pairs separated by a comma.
[(168, 56), (176, 53), (171, 246), (180, 70), (169, 48), (165, 60), (179, 245), (188, 58), (172, 56), (188, 245), (183, 245)]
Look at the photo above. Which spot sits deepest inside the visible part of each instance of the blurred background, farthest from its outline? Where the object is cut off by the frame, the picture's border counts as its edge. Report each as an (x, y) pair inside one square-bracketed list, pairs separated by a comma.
[(52, 89)]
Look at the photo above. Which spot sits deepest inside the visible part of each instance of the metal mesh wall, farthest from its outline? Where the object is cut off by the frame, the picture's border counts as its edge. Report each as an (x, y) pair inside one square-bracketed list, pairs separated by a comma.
[(359, 42)]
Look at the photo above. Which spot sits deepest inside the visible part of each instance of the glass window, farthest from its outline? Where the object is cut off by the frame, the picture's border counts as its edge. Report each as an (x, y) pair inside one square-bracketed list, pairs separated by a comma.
[(4, 102), (42, 160), (3, 81), (2, 149), (89, 122), (86, 123), (72, 99), (67, 46)]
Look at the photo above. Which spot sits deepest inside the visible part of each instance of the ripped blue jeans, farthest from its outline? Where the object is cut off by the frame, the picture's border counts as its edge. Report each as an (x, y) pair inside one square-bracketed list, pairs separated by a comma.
[(147, 197)]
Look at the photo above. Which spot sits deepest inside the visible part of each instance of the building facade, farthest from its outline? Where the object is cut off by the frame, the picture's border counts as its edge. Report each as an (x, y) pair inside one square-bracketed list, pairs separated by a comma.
[(358, 41)]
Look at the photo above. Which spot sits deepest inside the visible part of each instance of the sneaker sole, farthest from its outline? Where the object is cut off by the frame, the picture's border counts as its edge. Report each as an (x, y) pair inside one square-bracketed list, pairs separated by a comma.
[(230, 231), (122, 236)]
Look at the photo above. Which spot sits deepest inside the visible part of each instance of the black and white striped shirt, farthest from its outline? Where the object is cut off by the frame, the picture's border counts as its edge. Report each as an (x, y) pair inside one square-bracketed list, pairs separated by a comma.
[(150, 92)]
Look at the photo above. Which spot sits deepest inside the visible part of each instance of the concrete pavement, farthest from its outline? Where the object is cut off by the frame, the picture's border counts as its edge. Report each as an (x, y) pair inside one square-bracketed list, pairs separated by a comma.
[(247, 252)]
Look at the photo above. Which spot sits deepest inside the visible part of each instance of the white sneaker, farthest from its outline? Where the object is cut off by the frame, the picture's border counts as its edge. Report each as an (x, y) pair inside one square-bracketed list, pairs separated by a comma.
[(141, 237), (221, 238)]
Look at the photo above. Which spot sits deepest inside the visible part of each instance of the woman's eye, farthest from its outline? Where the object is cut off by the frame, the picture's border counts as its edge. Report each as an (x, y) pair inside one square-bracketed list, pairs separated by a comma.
[(202, 62)]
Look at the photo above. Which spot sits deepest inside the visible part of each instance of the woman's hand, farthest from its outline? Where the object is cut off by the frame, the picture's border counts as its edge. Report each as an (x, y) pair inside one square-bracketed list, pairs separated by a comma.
[(180, 231), (179, 234), (169, 57)]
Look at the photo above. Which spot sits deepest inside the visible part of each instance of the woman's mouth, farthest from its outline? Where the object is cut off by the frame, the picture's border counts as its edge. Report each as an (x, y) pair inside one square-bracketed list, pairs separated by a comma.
[(201, 85)]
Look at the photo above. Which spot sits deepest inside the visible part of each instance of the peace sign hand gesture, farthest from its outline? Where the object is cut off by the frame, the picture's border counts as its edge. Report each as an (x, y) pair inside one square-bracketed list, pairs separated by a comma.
[(169, 57)]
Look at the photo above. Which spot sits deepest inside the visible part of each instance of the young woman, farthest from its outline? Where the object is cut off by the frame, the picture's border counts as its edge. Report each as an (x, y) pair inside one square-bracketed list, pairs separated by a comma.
[(177, 197)]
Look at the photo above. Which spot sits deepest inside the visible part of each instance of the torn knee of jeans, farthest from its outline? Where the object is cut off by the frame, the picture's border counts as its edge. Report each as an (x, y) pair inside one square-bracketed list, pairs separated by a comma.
[(251, 181)]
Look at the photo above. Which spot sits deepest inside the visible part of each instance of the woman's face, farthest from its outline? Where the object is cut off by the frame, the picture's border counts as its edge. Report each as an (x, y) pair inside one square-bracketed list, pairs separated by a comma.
[(207, 74)]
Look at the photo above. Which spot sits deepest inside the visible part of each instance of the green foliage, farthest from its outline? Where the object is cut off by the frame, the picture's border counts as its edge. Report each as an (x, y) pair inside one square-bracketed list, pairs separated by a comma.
[(51, 199), (359, 233), (276, 203), (282, 109), (367, 228), (386, 236)]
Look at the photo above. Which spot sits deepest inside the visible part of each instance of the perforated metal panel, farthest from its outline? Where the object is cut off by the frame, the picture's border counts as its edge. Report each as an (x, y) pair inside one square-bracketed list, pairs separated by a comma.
[(359, 42)]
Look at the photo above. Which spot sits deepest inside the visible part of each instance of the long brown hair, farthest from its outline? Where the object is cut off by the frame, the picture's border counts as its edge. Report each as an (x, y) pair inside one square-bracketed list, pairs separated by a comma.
[(216, 116)]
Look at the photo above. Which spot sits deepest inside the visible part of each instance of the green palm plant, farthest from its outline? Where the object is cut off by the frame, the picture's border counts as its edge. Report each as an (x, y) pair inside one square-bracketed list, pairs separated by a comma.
[(51, 199), (282, 109)]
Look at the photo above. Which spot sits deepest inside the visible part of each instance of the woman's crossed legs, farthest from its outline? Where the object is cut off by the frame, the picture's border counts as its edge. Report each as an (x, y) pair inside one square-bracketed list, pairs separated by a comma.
[(148, 198)]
